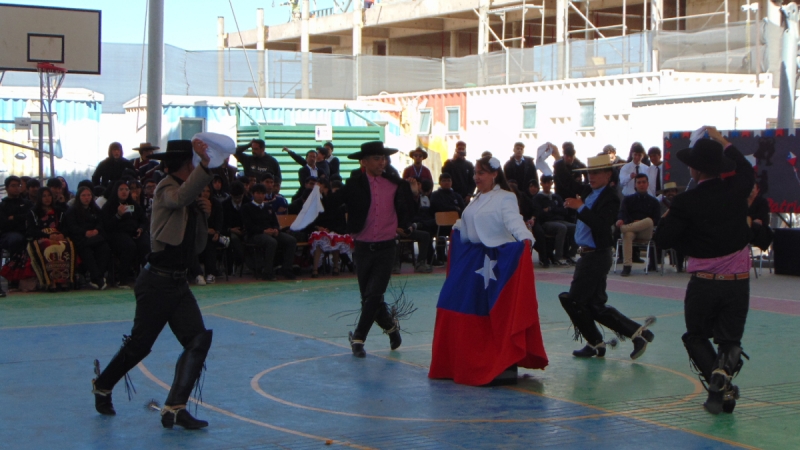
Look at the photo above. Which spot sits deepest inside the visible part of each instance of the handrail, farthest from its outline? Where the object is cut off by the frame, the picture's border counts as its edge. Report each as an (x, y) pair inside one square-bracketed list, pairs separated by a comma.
[(369, 122)]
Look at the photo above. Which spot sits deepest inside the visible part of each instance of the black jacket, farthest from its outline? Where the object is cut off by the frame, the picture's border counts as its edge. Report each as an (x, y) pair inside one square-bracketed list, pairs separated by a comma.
[(77, 221), (564, 176), (357, 197), (254, 166), (463, 173), (710, 220), (18, 209), (36, 225), (554, 205), (443, 200), (639, 206), (127, 223), (333, 164), (759, 210), (333, 218), (601, 216), (522, 173), (256, 219), (304, 172), (110, 170), (231, 217)]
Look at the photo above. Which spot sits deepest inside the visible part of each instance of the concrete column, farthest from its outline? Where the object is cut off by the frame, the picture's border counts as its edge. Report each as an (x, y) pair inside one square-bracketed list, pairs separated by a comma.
[(261, 46), (788, 81), (656, 14), (386, 42), (220, 56), (358, 23), (561, 37), (155, 65), (772, 36), (453, 44), (304, 46), (515, 33), (483, 27)]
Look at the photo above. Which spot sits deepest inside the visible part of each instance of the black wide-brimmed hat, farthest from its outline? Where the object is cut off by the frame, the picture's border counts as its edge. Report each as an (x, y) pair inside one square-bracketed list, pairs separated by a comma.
[(418, 150), (707, 157), (146, 146), (178, 149), (371, 149)]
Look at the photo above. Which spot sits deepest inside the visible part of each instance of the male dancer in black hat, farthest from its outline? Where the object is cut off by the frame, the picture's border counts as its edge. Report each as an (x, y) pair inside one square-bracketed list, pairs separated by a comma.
[(179, 231), (597, 205), (709, 223), (377, 205)]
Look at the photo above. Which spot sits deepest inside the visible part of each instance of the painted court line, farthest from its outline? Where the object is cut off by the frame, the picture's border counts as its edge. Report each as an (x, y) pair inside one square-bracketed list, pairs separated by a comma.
[(767, 304)]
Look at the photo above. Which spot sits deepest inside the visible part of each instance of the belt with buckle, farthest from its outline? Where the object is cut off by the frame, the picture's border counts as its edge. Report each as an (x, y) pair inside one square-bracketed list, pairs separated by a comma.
[(722, 276), (582, 250), (174, 274), (376, 246)]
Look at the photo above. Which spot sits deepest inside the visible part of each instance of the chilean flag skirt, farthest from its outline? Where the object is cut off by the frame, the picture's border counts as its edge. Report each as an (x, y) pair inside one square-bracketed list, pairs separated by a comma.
[(487, 318)]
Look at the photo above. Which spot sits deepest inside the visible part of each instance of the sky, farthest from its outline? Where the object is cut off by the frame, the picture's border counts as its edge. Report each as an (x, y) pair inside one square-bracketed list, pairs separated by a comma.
[(188, 24)]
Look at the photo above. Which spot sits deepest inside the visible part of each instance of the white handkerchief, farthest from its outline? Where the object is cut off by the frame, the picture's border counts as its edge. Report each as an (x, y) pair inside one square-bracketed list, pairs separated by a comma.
[(697, 134), (220, 147), (311, 209), (542, 153)]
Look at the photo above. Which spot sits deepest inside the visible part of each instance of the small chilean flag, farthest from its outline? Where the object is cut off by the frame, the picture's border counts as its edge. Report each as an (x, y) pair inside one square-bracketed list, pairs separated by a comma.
[(791, 159), (487, 318)]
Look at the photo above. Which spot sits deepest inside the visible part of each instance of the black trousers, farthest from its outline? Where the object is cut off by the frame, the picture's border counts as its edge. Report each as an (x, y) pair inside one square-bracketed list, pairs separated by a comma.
[(715, 309), (586, 301), (159, 301), (374, 263), (95, 258), (130, 251)]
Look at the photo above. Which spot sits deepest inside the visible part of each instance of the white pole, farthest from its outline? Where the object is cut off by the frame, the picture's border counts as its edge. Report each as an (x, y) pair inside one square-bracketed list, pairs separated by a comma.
[(155, 64)]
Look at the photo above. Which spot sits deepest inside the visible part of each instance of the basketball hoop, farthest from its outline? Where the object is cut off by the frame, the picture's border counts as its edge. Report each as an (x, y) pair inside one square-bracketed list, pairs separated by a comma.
[(50, 79)]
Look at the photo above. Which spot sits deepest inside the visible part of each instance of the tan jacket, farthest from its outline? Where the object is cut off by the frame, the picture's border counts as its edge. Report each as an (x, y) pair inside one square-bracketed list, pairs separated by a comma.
[(169, 216)]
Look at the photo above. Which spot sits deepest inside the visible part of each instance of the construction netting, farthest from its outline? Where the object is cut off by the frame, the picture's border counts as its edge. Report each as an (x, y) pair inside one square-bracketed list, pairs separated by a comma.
[(279, 74)]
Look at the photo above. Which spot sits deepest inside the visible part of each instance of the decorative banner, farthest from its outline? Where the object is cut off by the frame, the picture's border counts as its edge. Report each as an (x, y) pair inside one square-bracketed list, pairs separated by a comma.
[(773, 154)]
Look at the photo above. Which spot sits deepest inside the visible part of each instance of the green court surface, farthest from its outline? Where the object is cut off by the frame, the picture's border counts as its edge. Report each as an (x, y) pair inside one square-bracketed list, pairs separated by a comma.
[(280, 374)]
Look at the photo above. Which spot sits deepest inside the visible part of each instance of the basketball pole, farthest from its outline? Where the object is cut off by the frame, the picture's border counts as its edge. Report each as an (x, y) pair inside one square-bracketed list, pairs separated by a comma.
[(155, 67)]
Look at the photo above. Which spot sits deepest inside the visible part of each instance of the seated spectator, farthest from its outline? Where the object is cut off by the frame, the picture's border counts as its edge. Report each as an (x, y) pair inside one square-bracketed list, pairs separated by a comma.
[(281, 204), (110, 169), (52, 254), (276, 202), (57, 188), (232, 222), (417, 170), (227, 174), (758, 207), (445, 199), (555, 223), (638, 216), (13, 214), (32, 190), (143, 165), (65, 189), (417, 232), (83, 223), (259, 161), (262, 229), (218, 192), (301, 195), (328, 232), (333, 162), (310, 165), (215, 241), (248, 183), (136, 192), (124, 226), (534, 222), (23, 188)]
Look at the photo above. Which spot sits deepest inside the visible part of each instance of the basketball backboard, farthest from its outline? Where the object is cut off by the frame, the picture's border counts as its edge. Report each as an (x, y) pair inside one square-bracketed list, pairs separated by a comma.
[(69, 38)]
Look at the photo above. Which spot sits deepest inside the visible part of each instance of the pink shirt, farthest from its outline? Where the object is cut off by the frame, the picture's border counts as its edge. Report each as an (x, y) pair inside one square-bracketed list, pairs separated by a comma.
[(737, 262), (381, 224)]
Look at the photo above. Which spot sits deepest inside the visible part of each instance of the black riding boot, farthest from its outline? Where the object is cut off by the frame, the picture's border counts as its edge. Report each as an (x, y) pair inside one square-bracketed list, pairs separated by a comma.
[(128, 356), (187, 373), (582, 322)]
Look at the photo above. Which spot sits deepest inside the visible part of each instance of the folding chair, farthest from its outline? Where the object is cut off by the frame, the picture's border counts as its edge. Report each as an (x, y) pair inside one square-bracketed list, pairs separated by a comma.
[(647, 244), (443, 219)]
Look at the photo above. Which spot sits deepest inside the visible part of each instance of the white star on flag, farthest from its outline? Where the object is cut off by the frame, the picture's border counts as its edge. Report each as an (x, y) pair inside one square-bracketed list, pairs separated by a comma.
[(486, 271)]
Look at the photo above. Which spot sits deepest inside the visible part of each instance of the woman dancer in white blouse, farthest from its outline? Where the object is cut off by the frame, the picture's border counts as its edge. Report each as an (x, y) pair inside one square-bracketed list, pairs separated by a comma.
[(492, 218)]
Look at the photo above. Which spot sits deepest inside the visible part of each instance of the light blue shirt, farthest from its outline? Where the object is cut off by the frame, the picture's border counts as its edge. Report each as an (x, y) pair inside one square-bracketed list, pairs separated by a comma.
[(583, 234)]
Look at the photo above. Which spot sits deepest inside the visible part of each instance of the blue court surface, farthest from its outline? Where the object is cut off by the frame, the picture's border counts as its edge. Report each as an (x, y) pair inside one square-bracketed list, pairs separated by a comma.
[(280, 375)]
